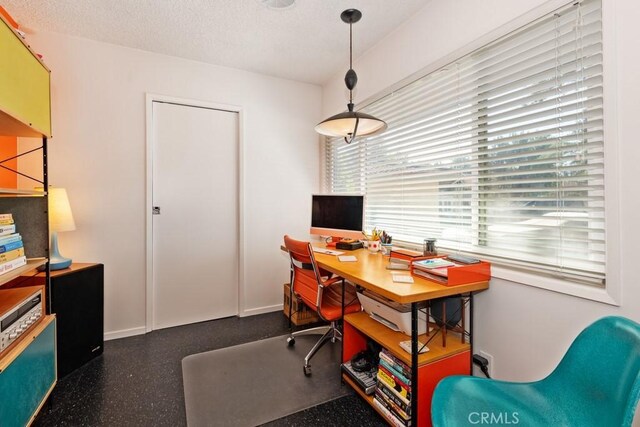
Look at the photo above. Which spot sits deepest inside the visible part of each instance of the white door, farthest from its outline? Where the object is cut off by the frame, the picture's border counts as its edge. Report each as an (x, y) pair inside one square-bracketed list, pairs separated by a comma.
[(195, 233)]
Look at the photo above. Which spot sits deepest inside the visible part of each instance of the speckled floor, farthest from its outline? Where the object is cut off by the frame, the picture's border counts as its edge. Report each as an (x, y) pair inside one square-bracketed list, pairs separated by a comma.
[(138, 380)]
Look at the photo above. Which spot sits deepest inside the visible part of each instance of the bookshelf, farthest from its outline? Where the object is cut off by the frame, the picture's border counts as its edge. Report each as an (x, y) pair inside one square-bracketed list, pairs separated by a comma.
[(28, 365), (434, 365)]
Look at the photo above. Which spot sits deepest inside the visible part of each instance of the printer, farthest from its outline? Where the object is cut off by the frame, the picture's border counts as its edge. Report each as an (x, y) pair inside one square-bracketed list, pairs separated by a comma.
[(392, 314)]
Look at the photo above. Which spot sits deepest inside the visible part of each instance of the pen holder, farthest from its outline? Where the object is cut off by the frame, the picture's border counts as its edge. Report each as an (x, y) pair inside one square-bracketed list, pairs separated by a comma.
[(385, 248), (429, 247)]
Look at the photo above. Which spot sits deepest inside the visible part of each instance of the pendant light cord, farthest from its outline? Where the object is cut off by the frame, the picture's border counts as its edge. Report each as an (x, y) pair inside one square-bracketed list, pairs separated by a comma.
[(351, 58), (349, 138)]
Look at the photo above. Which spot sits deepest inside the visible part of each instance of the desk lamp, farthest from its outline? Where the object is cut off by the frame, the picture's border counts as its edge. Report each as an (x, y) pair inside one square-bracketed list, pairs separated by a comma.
[(60, 219)]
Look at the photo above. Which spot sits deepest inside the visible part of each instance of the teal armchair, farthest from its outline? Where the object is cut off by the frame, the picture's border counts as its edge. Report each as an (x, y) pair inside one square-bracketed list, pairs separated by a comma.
[(597, 383)]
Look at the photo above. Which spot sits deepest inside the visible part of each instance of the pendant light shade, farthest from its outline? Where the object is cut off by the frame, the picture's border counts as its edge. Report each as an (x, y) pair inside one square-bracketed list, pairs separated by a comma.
[(350, 124)]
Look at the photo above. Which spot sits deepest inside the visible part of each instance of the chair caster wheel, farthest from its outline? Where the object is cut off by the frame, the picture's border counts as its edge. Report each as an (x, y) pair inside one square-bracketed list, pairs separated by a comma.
[(307, 370), (291, 341)]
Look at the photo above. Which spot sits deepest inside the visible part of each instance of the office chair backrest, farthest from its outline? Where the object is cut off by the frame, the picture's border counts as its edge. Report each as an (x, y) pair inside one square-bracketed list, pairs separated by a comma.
[(306, 276), (603, 363)]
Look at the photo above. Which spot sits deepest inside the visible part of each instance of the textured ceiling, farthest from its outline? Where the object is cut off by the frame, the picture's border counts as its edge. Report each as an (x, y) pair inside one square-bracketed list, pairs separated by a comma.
[(307, 42)]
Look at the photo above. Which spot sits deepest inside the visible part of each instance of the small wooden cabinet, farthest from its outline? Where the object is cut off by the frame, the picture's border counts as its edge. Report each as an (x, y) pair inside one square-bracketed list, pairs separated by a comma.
[(77, 300)]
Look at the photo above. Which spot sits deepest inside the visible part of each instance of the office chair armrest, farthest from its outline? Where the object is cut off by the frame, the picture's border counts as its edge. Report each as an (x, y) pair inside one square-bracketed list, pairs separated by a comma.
[(331, 281)]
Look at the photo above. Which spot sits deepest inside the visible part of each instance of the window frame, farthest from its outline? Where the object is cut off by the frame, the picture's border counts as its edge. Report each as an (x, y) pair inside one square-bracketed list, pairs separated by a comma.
[(612, 291)]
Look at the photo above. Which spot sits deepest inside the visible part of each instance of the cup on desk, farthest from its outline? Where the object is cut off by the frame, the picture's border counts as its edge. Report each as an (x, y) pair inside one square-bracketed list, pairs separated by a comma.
[(374, 246), (385, 248)]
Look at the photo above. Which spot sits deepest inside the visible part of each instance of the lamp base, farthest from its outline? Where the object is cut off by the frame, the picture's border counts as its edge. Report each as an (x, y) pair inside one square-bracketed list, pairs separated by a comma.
[(59, 263)]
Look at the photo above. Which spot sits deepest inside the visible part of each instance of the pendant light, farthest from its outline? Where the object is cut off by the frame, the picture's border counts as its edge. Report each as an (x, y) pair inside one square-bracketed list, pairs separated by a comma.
[(350, 123)]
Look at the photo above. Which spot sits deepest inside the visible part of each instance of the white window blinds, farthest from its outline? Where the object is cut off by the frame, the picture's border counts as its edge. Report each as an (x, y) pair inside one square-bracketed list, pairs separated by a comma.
[(499, 153)]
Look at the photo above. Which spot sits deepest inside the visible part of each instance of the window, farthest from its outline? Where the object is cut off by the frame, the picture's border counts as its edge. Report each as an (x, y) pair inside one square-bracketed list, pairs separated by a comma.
[(498, 154)]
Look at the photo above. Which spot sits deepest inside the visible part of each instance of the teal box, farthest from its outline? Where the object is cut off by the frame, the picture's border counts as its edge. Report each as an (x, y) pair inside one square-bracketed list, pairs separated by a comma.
[(24, 384)]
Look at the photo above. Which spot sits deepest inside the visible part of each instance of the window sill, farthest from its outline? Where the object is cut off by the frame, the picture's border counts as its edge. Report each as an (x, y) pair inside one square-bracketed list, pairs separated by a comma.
[(603, 295)]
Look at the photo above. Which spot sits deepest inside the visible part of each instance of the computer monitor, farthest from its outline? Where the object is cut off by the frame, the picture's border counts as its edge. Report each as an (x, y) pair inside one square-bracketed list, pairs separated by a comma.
[(338, 216)]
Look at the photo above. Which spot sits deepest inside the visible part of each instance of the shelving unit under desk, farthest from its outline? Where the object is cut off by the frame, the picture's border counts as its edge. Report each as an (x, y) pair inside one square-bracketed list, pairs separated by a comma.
[(427, 369)]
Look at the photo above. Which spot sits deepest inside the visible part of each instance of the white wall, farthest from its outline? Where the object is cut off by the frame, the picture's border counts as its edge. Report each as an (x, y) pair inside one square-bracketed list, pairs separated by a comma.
[(526, 329), (98, 154)]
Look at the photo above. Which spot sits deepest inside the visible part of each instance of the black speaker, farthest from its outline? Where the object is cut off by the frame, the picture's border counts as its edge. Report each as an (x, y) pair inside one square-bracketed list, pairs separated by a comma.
[(77, 299), (453, 308)]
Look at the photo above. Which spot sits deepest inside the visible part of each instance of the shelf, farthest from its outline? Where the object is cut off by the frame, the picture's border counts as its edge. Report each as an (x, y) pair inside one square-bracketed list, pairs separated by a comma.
[(390, 340), (26, 339), (32, 264), (14, 192), (368, 398)]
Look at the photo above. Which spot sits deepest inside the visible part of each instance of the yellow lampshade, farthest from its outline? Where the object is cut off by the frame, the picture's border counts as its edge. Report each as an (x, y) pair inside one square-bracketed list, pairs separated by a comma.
[(60, 216)]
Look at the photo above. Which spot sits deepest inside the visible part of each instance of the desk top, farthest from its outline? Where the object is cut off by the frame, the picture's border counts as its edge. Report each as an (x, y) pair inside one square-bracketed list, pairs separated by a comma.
[(371, 273)]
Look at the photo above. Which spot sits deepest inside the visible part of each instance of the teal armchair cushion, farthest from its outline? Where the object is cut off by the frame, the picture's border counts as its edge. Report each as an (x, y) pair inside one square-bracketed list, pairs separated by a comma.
[(597, 383)]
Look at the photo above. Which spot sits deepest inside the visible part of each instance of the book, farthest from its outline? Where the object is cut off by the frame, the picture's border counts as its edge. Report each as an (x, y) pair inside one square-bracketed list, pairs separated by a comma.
[(395, 361), (10, 238), (392, 406), (11, 246), (432, 263), (393, 419), (12, 265), (392, 383), (11, 255), (6, 216), (7, 221), (392, 370), (7, 229), (397, 380), (396, 393), (401, 402)]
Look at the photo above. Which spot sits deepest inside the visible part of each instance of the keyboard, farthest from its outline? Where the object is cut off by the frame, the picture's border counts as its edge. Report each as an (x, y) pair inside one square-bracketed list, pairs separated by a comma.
[(326, 251), (365, 380)]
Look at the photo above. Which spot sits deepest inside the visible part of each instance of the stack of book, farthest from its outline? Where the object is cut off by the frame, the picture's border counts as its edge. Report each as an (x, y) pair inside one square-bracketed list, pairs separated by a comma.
[(393, 390), (11, 247), (436, 269)]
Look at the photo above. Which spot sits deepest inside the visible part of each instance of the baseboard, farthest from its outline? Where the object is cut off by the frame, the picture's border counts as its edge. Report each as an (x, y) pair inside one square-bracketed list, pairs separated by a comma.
[(142, 330), (261, 310), (124, 333)]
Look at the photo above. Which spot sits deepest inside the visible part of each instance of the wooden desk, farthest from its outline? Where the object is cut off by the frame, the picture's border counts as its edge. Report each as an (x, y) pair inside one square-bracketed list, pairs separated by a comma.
[(370, 272), (427, 369)]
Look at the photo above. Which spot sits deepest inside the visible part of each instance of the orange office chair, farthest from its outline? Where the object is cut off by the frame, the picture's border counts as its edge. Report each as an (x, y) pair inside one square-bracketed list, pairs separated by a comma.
[(320, 292)]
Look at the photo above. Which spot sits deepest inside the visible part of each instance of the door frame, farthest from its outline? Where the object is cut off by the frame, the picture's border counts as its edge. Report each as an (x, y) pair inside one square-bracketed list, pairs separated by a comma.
[(150, 99)]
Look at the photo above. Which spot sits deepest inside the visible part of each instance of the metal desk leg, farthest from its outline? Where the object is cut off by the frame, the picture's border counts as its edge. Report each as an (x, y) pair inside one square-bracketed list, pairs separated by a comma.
[(344, 284), (414, 363), (471, 331)]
